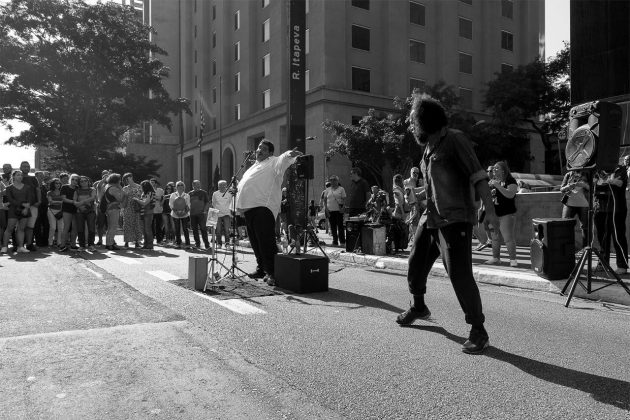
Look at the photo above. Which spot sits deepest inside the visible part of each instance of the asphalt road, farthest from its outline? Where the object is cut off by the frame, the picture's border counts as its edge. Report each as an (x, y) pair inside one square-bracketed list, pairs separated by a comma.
[(119, 335)]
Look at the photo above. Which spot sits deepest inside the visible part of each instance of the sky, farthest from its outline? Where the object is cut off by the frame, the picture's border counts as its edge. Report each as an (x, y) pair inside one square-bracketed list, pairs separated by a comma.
[(556, 31)]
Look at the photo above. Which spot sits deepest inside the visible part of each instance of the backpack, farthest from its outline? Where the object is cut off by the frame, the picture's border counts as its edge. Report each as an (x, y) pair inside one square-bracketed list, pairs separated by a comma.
[(179, 207)]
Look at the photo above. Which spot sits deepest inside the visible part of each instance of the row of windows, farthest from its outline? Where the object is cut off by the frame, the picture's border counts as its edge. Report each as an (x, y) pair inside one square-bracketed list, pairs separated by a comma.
[(417, 12)]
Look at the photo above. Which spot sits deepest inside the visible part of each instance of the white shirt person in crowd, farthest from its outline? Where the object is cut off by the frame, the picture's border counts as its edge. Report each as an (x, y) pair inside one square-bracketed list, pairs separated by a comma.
[(258, 198), (222, 200)]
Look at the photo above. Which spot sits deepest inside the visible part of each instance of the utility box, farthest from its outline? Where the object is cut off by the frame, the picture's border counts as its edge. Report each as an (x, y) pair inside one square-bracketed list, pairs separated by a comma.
[(373, 239), (197, 272)]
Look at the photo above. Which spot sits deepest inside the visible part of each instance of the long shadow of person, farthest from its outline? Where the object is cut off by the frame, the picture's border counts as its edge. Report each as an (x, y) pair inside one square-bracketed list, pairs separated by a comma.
[(609, 391), (353, 300)]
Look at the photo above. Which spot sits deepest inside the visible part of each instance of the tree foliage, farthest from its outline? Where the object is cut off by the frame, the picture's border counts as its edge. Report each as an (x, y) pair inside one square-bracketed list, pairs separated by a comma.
[(81, 76)]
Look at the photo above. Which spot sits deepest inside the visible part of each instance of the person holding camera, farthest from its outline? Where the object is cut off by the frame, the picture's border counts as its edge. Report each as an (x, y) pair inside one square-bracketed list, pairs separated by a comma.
[(334, 198)]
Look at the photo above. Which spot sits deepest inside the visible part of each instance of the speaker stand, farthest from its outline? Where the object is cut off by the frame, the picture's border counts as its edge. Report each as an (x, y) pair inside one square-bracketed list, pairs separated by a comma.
[(586, 258)]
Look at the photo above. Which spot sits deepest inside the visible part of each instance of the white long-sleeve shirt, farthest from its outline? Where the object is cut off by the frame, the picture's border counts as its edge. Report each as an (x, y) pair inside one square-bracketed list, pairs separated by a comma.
[(222, 202), (261, 185)]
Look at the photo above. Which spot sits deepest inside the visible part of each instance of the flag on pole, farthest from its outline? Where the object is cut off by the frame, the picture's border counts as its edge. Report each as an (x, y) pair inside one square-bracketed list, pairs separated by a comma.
[(202, 125)]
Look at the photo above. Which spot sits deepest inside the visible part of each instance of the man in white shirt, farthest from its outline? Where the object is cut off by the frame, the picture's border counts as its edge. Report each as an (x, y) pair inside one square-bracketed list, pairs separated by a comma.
[(258, 198), (334, 200), (222, 202)]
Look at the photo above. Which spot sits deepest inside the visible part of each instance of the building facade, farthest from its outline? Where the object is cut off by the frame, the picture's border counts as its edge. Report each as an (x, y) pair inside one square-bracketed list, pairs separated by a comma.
[(230, 58)]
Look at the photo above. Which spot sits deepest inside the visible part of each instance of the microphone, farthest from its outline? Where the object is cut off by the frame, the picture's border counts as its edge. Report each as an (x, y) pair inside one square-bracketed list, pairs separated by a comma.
[(248, 155)]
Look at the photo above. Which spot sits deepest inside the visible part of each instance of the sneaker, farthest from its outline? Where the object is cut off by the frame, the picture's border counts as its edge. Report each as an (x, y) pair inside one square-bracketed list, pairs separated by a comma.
[(258, 274), (477, 342), (621, 270), (513, 263), (269, 280), (483, 246), (412, 314), (493, 261), (22, 250)]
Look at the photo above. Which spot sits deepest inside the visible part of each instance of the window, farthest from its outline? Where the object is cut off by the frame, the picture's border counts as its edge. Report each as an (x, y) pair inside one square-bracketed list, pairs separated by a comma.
[(266, 65), (237, 51), (465, 63), (362, 4), (360, 79), (195, 6), (507, 8), (360, 38), (465, 98), (237, 20), (507, 41), (265, 3), (214, 95), (307, 80), (195, 31), (196, 135), (214, 12), (417, 51), (195, 54), (266, 99), (237, 82), (214, 39), (195, 106), (466, 1), (214, 123), (195, 81), (506, 68), (307, 41), (307, 6), (214, 67), (418, 84), (416, 13), (237, 112), (265, 31), (465, 28), (356, 120)]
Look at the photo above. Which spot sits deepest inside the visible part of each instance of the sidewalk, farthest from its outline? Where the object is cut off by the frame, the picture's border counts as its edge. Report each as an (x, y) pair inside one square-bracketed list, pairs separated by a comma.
[(522, 277)]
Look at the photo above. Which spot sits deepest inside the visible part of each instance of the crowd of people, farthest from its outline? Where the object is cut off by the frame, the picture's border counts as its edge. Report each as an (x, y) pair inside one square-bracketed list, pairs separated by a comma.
[(72, 213)]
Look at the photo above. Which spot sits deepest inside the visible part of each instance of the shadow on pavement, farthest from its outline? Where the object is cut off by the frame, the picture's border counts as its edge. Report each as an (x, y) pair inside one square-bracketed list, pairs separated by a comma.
[(342, 296), (605, 390)]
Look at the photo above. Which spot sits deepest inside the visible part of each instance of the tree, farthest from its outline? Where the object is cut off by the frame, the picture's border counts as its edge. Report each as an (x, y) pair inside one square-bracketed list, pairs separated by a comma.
[(81, 76), (537, 93)]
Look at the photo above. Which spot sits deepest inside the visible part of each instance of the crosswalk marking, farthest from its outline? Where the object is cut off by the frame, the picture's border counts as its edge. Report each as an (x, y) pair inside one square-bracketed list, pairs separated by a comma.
[(98, 275), (235, 305), (126, 260), (163, 275)]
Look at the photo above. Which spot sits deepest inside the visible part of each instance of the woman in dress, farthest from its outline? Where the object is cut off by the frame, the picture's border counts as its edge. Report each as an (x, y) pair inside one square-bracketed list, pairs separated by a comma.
[(55, 214), (132, 227), (503, 189), (167, 220), (19, 197), (147, 201), (84, 198)]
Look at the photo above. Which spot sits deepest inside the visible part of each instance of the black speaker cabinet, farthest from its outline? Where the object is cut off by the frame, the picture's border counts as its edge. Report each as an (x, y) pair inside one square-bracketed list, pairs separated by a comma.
[(305, 167), (353, 233), (553, 248), (303, 273), (594, 136)]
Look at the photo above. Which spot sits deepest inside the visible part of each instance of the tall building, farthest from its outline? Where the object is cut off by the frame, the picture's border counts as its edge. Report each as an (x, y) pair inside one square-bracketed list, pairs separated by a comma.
[(230, 58)]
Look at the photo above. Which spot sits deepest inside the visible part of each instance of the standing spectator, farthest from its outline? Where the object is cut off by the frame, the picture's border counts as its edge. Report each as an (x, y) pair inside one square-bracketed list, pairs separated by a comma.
[(199, 204), (482, 229), (101, 216), (167, 220), (284, 214), (222, 200), (413, 192), (55, 214), (259, 199), (84, 197), (4, 201), (132, 228), (399, 229), (179, 203), (610, 215), (69, 213), (575, 200), (6, 174), (35, 200), (322, 199), (445, 228), (147, 201), (157, 226), (113, 200), (41, 224), (20, 198), (312, 214), (334, 199), (503, 190), (358, 193)]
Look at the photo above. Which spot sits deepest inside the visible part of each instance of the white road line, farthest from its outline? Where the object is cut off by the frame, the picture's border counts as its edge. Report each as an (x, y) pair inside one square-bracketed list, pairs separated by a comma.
[(163, 275), (235, 305), (98, 275), (126, 260)]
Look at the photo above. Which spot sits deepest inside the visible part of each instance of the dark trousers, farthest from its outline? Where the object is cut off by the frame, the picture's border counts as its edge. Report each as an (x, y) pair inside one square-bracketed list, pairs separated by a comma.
[(582, 213), (336, 226), (261, 231), (198, 223), (101, 223), (157, 227), (82, 220), (181, 224), (612, 227), (454, 243), (41, 227)]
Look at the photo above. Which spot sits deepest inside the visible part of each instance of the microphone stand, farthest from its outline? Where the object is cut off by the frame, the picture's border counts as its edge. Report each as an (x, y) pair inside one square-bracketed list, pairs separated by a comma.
[(233, 189)]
